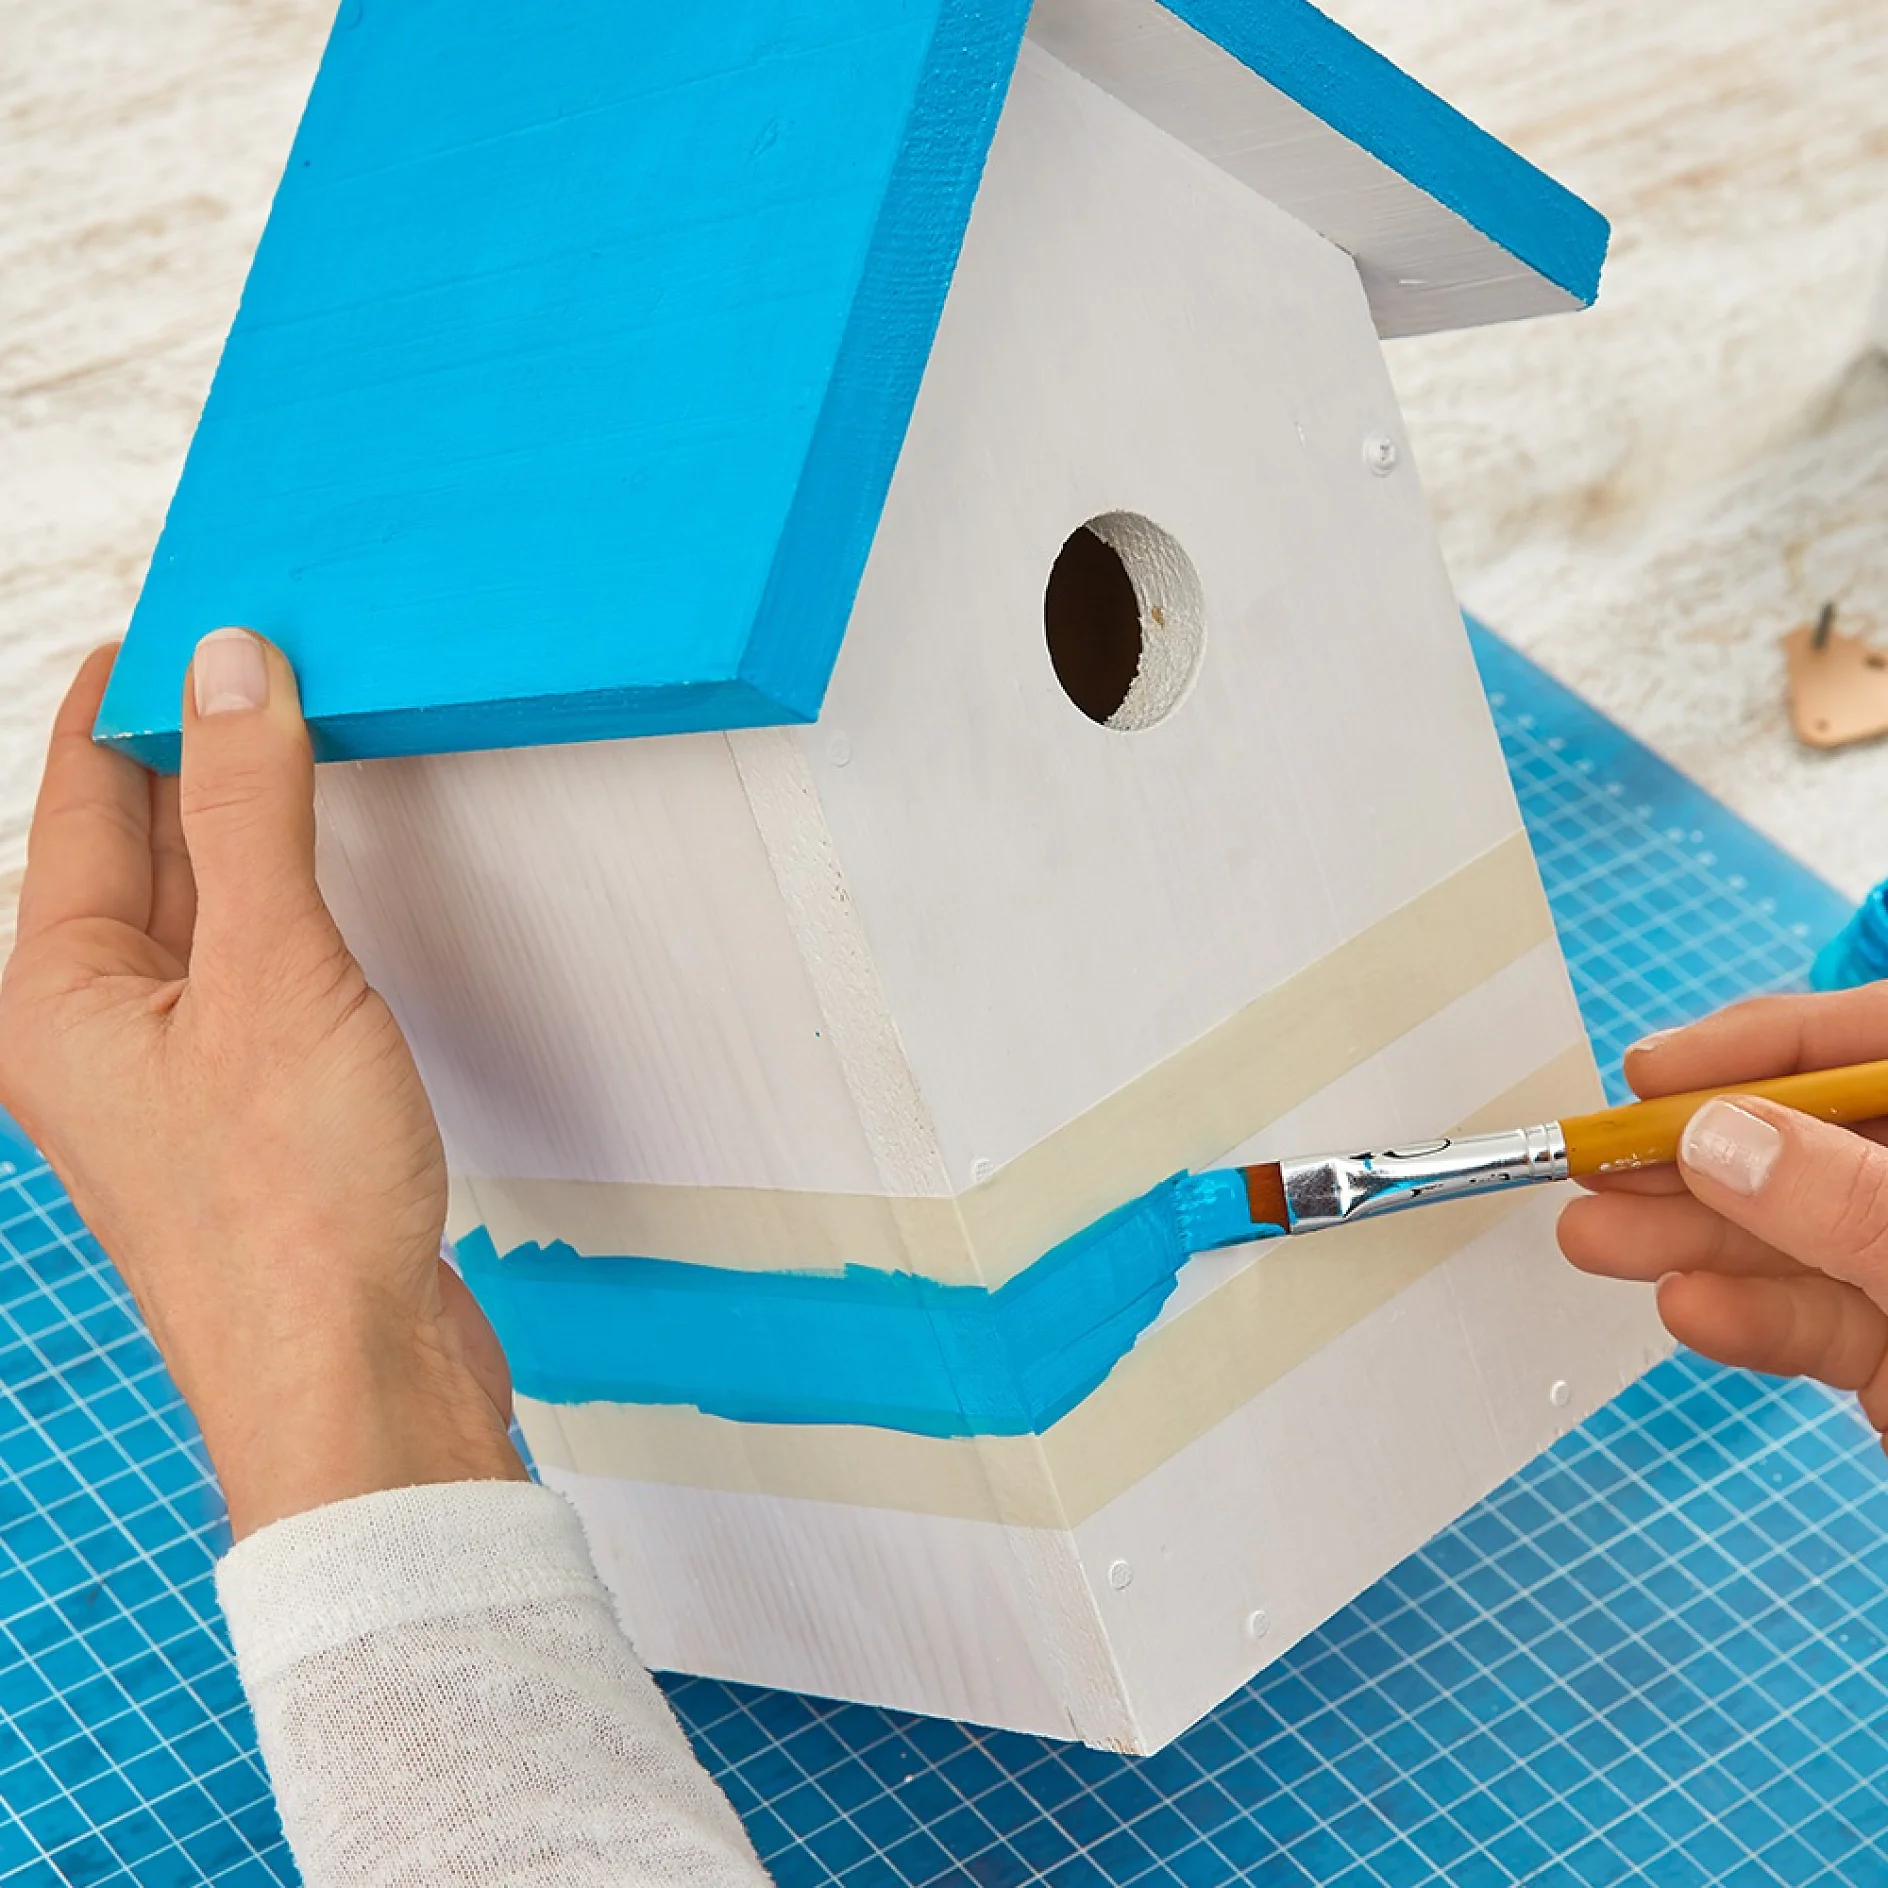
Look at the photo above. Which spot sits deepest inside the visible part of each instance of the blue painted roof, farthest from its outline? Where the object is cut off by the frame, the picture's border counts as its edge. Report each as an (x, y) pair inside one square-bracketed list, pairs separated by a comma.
[(577, 354)]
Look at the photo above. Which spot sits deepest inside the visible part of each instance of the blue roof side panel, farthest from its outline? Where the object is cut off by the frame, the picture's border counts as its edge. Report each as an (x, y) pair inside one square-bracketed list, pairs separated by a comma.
[(901, 295), (574, 364), (1382, 110)]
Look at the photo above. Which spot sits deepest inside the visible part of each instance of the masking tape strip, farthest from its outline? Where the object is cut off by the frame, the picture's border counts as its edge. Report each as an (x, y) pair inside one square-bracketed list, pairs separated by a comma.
[(1274, 1054), (1296, 1297), (1189, 1111), (746, 1229)]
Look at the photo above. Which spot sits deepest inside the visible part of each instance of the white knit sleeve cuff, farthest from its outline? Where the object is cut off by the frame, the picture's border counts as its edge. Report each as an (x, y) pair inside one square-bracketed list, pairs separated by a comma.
[(305, 1585)]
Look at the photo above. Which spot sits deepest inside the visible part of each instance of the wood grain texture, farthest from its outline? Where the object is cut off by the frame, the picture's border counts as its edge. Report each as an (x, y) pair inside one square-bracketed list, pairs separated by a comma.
[(972, 1620), (588, 951), (819, 910)]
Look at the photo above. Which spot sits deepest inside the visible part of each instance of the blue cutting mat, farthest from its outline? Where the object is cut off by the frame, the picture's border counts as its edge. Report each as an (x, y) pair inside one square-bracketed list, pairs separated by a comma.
[(1656, 1655)]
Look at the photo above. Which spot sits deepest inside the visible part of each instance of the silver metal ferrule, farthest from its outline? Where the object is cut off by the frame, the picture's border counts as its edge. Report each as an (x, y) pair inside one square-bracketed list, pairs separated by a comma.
[(1334, 1189)]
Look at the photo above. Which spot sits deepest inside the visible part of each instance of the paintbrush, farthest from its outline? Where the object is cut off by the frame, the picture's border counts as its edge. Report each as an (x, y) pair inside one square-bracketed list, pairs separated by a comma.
[(1231, 1204)]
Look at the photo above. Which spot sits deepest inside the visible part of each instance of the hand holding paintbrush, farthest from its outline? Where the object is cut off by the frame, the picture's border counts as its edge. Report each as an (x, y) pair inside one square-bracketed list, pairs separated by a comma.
[(1769, 1238), (1325, 1190), (1751, 1183)]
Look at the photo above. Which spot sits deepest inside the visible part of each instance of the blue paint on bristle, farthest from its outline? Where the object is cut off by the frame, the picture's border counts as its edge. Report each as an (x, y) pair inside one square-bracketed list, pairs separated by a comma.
[(1215, 1210)]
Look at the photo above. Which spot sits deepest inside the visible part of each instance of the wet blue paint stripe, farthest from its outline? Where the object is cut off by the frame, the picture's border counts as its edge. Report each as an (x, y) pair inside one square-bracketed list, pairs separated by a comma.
[(863, 1345)]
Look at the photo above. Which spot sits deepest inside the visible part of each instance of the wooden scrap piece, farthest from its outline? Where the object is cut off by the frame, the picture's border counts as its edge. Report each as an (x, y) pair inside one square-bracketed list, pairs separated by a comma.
[(1838, 684)]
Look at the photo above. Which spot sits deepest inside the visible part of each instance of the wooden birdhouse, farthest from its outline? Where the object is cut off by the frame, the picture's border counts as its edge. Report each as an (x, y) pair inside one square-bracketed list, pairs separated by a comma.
[(890, 685)]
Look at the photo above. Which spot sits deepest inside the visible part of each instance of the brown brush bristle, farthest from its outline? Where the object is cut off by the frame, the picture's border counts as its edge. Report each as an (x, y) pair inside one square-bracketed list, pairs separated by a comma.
[(1265, 1196)]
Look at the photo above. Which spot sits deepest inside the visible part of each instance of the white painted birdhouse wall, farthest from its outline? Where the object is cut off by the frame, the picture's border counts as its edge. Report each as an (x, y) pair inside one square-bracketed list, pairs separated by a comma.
[(935, 983), (589, 952), (1054, 907)]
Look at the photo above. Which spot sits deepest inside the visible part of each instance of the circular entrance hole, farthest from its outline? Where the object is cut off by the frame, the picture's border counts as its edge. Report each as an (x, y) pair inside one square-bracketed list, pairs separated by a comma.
[(1125, 620)]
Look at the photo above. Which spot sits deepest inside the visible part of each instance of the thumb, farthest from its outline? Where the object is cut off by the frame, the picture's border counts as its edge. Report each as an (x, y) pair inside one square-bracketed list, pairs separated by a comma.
[(247, 801), (1815, 1192)]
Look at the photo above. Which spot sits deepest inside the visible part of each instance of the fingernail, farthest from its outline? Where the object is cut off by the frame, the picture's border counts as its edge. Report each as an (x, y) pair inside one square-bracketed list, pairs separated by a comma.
[(230, 673), (1728, 1144), (1652, 1041)]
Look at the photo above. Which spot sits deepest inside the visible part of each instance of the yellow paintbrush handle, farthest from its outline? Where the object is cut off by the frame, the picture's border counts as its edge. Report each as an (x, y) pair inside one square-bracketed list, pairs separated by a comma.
[(1645, 1133)]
